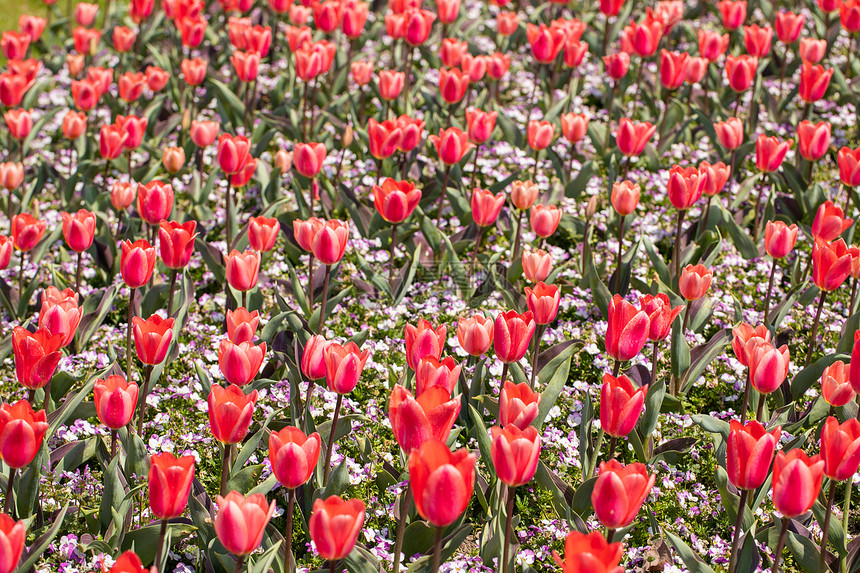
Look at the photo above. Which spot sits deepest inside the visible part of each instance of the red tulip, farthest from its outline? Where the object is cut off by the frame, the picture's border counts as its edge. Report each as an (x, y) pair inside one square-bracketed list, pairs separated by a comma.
[(313, 357), (840, 448), (835, 386), (230, 413), (619, 492), (540, 134), (712, 45), (305, 231), (849, 16), (574, 52), (544, 219), (86, 41), (486, 206), (543, 302), (390, 84), (411, 130), (36, 356), (474, 334), (192, 31), (233, 152), (849, 166), (673, 67), (661, 315), (137, 262), (354, 18), (308, 158), (831, 264), (694, 282), (12, 88), (112, 139), (15, 44), (589, 553), (21, 434), (115, 401), (512, 335), (154, 201), (518, 405), (442, 481), (417, 25), (293, 456), (453, 84), (745, 338), (812, 50), (733, 13), (481, 125), (429, 416), (203, 133), (334, 526), (789, 26), (11, 175), (176, 242), (740, 71), (246, 65), (813, 139), (730, 133), (156, 78), (395, 200), (644, 38), (79, 229), (515, 454), (152, 338), (829, 222), (685, 186), (384, 137), (769, 152), (131, 86), (524, 194), (749, 451), (779, 239), (796, 482), (329, 242), (27, 231), (241, 521), (617, 65), (545, 42), (423, 340), (536, 265), (60, 313), (343, 366), (814, 81), (170, 481), (262, 233), (632, 138), (620, 405), (128, 562), (716, 176), (6, 248), (507, 23), (627, 330), (13, 534), (193, 71), (757, 40), (768, 366), (451, 144), (432, 372), (243, 269), (240, 363)]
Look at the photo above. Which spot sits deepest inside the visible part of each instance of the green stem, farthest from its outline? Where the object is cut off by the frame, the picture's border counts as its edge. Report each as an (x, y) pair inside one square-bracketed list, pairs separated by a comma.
[(508, 522), (331, 436), (777, 556), (437, 550), (825, 528), (739, 524)]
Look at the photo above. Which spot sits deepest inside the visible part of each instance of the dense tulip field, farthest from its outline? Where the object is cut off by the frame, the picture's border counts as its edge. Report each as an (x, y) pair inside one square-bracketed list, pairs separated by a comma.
[(431, 285)]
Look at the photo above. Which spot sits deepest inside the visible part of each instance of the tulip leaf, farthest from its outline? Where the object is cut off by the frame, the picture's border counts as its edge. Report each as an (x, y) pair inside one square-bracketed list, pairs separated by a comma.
[(711, 424), (691, 560), (554, 386), (450, 544), (810, 375), (40, 545), (804, 550), (657, 262), (252, 444), (418, 538), (264, 561), (653, 404), (836, 535), (112, 495), (338, 481), (144, 540), (93, 319), (483, 437), (680, 351), (703, 355), (744, 243)]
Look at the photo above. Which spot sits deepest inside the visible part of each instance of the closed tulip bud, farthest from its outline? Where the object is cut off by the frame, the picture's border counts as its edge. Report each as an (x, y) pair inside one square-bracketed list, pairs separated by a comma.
[(193, 71), (730, 133), (740, 71), (313, 358), (241, 521), (814, 81), (154, 201), (385, 137), (453, 84), (474, 334), (233, 152), (512, 335), (507, 23), (779, 238), (831, 264), (137, 262), (21, 434), (625, 197), (112, 139), (835, 386), (327, 15), (60, 313), (829, 222), (589, 553), (673, 68), (486, 206), (840, 448), (423, 340), (796, 482), (451, 145), (170, 480), (115, 401), (685, 187), (293, 456), (429, 416), (173, 159), (243, 269), (343, 366), (518, 405), (13, 534), (617, 65), (417, 24), (540, 134), (305, 231), (574, 126), (524, 194), (733, 13), (395, 200), (813, 139), (308, 158), (283, 160), (768, 366), (230, 413), (812, 50), (515, 453), (619, 492), (334, 526), (176, 241), (152, 338), (715, 176), (621, 405), (242, 325), (849, 166), (11, 175), (574, 52), (661, 315), (849, 16), (543, 302), (246, 65), (74, 124), (481, 124), (240, 363), (135, 128), (122, 195), (79, 229), (262, 233), (361, 72), (694, 282), (27, 231), (632, 138), (770, 152), (536, 265), (203, 133), (712, 45), (789, 26), (432, 372), (391, 84), (757, 40), (627, 330), (19, 122), (329, 242), (544, 219), (442, 481), (749, 452)]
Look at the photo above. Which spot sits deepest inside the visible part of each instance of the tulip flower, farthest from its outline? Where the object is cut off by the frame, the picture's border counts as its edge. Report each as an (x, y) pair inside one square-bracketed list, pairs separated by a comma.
[(453, 84), (544, 219), (241, 521), (518, 405), (203, 133), (814, 81), (334, 526), (395, 200), (128, 562), (632, 138), (240, 363), (590, 553), (536, 265), (432, 372), (515, 454), (812, 50), (730, 133), (619, 493), (511, 336), (36, 357), (5, 251), (779, 240), (343, 367), (627, 330), (13, 534), (390, 84), (230, 413), (429, 416), (644, 37), (768, 368), (694, 282), (813, 139), (441, 481), (27, 231), (411, 131), (545, 42), (625, 197), (486, 208), (835, 386), (620, 406), (712, 45), (474, 334), (78, 230), (115, 402), (262, 233), (840, 448), (293, 456), (60, 313), (243, 270), (21, 434), (829, 222), (170, 481), (796, 482)]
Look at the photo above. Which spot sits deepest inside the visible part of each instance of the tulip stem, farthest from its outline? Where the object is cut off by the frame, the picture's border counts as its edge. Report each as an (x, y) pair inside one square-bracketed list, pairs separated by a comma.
[(288, 534), (324, 298), (516, 249), (225, 468), (618, 259), (128, 336), (391, 252), (7, 503), (173, 275), (610, 451), (240, 563), (814, 331), (504, 375), (769, 288), (437, 550), (21, 276), (474, 167), (825, 529), (311, 281), (331, 437), (593, 462), (676, 256), (540, 330), (739, 523), (779, 546), (686, 318), (442, 195), (846, 512), (762, 399), (746, 398), (229, 229), (78, 275), (610, 534), (401, 526), (332, 566), (307, 409), (703, 221), (475, 251), (616, 368), (112, 444), (509, 514), (853, 299), (654, 363), (161, 536), (147, 375)]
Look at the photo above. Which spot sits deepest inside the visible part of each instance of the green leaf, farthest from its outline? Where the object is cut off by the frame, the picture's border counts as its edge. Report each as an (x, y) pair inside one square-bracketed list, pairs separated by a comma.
[(450, 545), (702, 356), (691, 560), (144, 540), (113, 494), (38, 548), (554, 386), (804, 551)]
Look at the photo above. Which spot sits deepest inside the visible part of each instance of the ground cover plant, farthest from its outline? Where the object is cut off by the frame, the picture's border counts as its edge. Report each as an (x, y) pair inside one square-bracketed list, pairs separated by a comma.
[(433, 285)]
